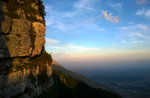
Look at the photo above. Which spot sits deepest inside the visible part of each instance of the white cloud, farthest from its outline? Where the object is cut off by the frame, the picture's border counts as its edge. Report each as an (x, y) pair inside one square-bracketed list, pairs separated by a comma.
[(144, 12), (113, 19), (85, 4), (115, 5), (68, 22), (137, 34), (137, 41), (140, 35), (81, 6), (133, 34), (52, 41), (135, 27), (57, 45), (141, 1)]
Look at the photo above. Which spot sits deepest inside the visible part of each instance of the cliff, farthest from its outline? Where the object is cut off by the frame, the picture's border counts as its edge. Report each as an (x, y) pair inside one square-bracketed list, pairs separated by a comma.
[(25, 67)]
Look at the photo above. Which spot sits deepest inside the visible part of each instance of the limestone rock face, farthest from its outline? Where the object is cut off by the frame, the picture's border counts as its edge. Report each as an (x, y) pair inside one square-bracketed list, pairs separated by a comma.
[(39, 40), (25, 77), (18, 41), (25, 67), (20, 37)]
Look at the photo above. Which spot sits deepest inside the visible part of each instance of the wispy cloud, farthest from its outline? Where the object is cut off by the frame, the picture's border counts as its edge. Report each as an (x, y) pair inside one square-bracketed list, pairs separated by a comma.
[(80, 6), (141, 1), (108, 16), (137, 41), (71, 22), (115, 5), (144, 12), (57, 45), (85, 4), (139, 35), (135, 27), (133, 34)]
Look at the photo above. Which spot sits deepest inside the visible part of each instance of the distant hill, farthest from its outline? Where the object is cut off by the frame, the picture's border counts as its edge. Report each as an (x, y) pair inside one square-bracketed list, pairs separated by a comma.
[(68, 85)]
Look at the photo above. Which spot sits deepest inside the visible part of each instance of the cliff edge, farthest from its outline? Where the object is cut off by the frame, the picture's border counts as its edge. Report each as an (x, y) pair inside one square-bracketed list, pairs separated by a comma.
[(25, 67)]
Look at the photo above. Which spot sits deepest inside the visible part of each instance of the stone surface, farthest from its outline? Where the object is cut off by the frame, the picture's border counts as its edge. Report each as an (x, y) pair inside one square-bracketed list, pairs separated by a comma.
[(34, 6), (25, 77), (25, 68), (20, 13), (18, 41), (5, 24), (39, 42), (39, 18), (21, 37), (17, 82)]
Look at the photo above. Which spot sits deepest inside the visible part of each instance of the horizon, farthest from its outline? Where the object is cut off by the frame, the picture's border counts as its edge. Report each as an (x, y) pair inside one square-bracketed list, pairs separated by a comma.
[(97, 33)]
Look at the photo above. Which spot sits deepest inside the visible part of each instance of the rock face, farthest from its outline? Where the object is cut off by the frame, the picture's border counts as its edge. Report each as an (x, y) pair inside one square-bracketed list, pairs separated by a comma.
[(39, 40), (21, 36), (25, 67)]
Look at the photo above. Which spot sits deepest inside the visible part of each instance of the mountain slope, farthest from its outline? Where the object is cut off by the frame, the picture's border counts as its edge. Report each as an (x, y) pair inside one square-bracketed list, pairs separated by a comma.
[(77, 76), (68, 84), (68, 87)]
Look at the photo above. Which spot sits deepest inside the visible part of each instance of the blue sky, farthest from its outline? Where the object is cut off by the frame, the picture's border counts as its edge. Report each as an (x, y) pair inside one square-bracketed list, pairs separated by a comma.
[(98, 30)]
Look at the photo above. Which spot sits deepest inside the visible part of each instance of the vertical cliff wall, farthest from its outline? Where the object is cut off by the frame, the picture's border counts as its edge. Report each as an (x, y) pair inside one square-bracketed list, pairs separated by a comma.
[(25, 67)]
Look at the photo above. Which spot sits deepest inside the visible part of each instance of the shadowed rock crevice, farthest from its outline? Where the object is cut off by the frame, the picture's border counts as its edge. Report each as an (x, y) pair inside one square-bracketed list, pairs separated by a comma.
[(4, 29)]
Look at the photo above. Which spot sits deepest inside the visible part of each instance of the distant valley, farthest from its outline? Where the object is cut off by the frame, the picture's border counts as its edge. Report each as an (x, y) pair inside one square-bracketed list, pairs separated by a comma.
[(128, 83)]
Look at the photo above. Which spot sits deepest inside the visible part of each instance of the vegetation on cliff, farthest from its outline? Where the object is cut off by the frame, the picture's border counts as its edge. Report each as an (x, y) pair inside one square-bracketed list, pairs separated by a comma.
[(31, 8)]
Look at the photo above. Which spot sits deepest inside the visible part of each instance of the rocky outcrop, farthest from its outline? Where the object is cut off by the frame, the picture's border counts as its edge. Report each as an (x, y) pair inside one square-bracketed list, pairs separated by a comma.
[(39, 40), (25, 67), (23, 37), (26, 77)]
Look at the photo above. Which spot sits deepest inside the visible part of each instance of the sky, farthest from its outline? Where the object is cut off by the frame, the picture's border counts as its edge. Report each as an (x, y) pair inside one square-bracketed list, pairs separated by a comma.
[(93, 33)]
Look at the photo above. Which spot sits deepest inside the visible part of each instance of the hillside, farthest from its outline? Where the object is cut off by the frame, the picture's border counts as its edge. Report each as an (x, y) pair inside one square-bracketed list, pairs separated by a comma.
[(69, 87), (77, 76)]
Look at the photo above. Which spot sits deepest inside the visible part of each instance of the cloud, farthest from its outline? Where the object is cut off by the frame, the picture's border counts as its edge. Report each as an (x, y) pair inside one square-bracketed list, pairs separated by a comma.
[(144, 12), (139, 35), (137, 41), (57, 45), (113, 19), (115, 5), (135, 27), (85, 4), (133, 34), (141, 1), (71, 22), (52, 41)]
